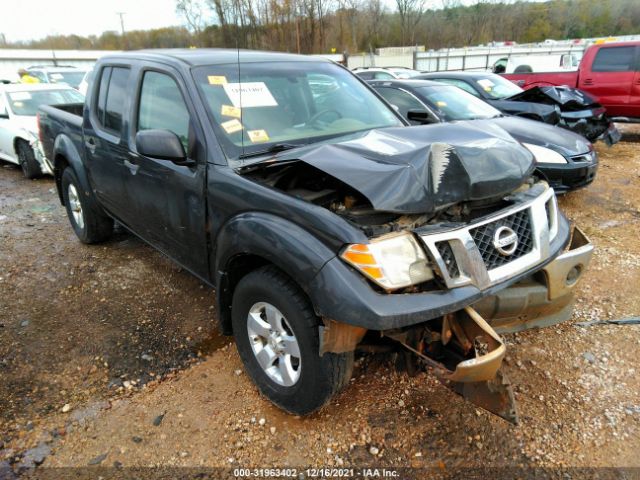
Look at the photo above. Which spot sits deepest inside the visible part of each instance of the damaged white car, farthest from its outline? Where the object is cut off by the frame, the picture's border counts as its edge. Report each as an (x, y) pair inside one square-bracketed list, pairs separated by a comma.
[(19, 142)]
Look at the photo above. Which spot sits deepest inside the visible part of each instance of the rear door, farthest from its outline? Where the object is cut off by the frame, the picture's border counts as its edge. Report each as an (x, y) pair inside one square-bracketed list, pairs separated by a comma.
[(611, 78), (169, 210), (105, 139)]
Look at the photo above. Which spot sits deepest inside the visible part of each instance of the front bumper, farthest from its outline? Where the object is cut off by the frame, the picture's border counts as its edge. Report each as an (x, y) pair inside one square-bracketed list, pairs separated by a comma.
[(543, 299), (569, 176), (340, 293)]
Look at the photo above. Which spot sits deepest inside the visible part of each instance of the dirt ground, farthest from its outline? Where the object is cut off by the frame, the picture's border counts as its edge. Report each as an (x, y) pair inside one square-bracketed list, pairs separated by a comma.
[(110, 357)]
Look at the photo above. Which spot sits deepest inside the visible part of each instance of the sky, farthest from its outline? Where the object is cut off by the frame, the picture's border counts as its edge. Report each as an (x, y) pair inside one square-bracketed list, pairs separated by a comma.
[(35, 19)]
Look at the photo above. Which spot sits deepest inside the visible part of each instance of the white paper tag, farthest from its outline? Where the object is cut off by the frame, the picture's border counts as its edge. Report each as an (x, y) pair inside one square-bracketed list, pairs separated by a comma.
[(56, 76), (486, 83), (250, 94), (19, 96)]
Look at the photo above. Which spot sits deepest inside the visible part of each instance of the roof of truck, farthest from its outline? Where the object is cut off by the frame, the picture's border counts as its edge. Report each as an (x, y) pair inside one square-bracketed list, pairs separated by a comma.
[(213, 56)]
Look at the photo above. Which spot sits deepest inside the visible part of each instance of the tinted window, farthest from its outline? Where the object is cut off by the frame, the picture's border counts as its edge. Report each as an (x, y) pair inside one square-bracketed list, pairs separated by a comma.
[(116, 96), (614, 59), (102, 93), (401, 99), (162, 106)]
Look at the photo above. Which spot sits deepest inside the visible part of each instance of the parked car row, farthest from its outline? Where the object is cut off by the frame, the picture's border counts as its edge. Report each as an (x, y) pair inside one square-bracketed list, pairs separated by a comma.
[(322, 217)]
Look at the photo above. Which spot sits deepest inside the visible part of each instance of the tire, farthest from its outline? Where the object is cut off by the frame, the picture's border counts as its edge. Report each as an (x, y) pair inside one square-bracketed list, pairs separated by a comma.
[(89, 222), (27, 158), (318, 377)]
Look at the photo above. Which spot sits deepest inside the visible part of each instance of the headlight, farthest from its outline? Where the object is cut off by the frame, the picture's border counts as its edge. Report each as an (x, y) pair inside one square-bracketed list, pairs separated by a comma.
[(545, 155), (392, 261)]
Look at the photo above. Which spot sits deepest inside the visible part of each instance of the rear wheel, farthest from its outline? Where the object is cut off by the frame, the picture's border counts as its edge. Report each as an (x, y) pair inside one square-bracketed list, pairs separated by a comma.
[(89, 222), (277, 336), (27, 158)]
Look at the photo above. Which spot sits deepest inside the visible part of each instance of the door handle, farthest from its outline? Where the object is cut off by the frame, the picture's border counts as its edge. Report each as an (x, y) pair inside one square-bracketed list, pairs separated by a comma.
[(91, 145), (133, 167)]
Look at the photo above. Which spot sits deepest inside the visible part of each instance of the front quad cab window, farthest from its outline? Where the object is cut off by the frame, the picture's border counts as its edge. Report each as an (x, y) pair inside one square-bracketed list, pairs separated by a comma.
[(162, 107)]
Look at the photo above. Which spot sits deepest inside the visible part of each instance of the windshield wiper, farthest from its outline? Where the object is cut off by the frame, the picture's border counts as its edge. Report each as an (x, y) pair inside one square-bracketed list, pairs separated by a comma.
[(278, 147)]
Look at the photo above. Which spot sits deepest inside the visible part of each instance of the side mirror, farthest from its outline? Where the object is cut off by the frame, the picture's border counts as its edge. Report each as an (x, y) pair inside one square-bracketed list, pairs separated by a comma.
[(160, 144), (420, 116)]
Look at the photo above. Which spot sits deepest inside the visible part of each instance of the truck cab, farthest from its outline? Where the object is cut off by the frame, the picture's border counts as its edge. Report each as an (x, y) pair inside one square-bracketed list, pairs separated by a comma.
[(317, 214)]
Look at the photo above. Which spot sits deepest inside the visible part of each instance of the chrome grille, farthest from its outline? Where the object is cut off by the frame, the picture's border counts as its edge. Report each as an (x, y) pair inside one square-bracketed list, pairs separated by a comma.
[(520, 223), (449, 259)]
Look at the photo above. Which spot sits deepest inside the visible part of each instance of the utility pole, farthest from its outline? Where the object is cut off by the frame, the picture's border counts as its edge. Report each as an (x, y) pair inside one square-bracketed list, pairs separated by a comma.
[(124, 38)]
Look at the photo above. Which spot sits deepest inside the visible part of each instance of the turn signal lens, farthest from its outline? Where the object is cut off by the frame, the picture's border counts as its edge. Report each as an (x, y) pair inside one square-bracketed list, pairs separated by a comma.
[(391, 261)]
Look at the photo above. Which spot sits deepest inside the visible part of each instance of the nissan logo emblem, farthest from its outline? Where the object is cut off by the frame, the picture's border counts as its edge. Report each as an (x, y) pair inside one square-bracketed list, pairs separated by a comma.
[(505, 241)]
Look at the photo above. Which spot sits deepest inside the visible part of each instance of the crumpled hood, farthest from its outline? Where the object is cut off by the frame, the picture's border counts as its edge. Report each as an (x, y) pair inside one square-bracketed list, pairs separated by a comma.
[(421, 169), (557, 139), (570, 99)]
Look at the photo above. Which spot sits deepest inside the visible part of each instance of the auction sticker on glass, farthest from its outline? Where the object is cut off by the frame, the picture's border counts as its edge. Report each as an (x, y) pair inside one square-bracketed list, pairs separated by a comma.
[(249, 94)]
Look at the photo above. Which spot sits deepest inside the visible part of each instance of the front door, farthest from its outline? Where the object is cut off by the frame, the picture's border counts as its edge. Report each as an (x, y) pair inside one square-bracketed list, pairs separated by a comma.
[(170, 205)]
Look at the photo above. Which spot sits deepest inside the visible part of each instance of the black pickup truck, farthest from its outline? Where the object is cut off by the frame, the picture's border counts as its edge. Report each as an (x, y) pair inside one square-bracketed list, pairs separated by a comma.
[(320, 217)]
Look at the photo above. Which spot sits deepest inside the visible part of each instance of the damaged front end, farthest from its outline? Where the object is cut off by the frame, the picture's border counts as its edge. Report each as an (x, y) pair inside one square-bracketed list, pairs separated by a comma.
[(577, 111), (453, 218), (466, 354)]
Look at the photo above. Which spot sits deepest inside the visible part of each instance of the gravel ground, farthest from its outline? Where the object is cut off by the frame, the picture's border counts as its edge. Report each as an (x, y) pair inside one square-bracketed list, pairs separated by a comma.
[(109, 356)]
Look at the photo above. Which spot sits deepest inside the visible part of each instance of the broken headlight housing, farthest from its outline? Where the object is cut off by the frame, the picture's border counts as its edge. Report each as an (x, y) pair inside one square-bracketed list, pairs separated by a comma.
[(392, 261), (545, 155)]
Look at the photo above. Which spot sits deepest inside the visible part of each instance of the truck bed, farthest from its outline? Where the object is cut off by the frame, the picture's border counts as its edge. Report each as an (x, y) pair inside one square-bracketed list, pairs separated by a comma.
[(543, 79), (54, 120)]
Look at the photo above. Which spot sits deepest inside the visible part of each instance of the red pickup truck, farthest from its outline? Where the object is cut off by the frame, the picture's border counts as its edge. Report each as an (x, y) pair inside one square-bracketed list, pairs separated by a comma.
[(610, 72)]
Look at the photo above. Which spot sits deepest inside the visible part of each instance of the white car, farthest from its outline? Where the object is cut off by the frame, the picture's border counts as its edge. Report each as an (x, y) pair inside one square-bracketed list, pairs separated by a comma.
[(19, 142), (385, 73)]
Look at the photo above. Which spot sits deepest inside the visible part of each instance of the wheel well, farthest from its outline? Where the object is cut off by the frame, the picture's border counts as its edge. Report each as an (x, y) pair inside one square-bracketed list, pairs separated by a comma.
[(59, 164), (16, 141), (235, 269)]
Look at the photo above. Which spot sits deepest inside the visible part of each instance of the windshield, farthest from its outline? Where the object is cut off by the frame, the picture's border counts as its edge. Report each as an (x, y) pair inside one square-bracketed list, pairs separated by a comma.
[(496, 87), (72, 79), (453, 103), (288, 102), (27, 102)]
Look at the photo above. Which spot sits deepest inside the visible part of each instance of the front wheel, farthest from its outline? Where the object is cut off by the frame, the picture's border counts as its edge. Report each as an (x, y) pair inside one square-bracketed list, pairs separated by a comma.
[(277, 336), (89, 222), (27, 158)]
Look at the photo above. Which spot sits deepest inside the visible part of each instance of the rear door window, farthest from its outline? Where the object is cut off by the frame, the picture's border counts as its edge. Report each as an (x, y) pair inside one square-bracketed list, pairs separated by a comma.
[(614, 59), (112, 98)]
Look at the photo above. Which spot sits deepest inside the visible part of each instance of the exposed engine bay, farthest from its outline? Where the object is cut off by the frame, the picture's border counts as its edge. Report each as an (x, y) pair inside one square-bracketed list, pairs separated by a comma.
[(307, 183)]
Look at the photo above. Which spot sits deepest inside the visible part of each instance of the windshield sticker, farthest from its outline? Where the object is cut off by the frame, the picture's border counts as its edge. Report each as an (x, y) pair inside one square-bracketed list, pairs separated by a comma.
[(440, 103), (486, 84), (217, 80), (56, 76), (17, 96), (232, 126), (229, 111), (250, 94), (258, 136)]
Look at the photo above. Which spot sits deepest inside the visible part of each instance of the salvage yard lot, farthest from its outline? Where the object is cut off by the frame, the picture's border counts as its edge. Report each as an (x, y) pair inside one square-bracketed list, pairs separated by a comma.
[(115, 336)]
